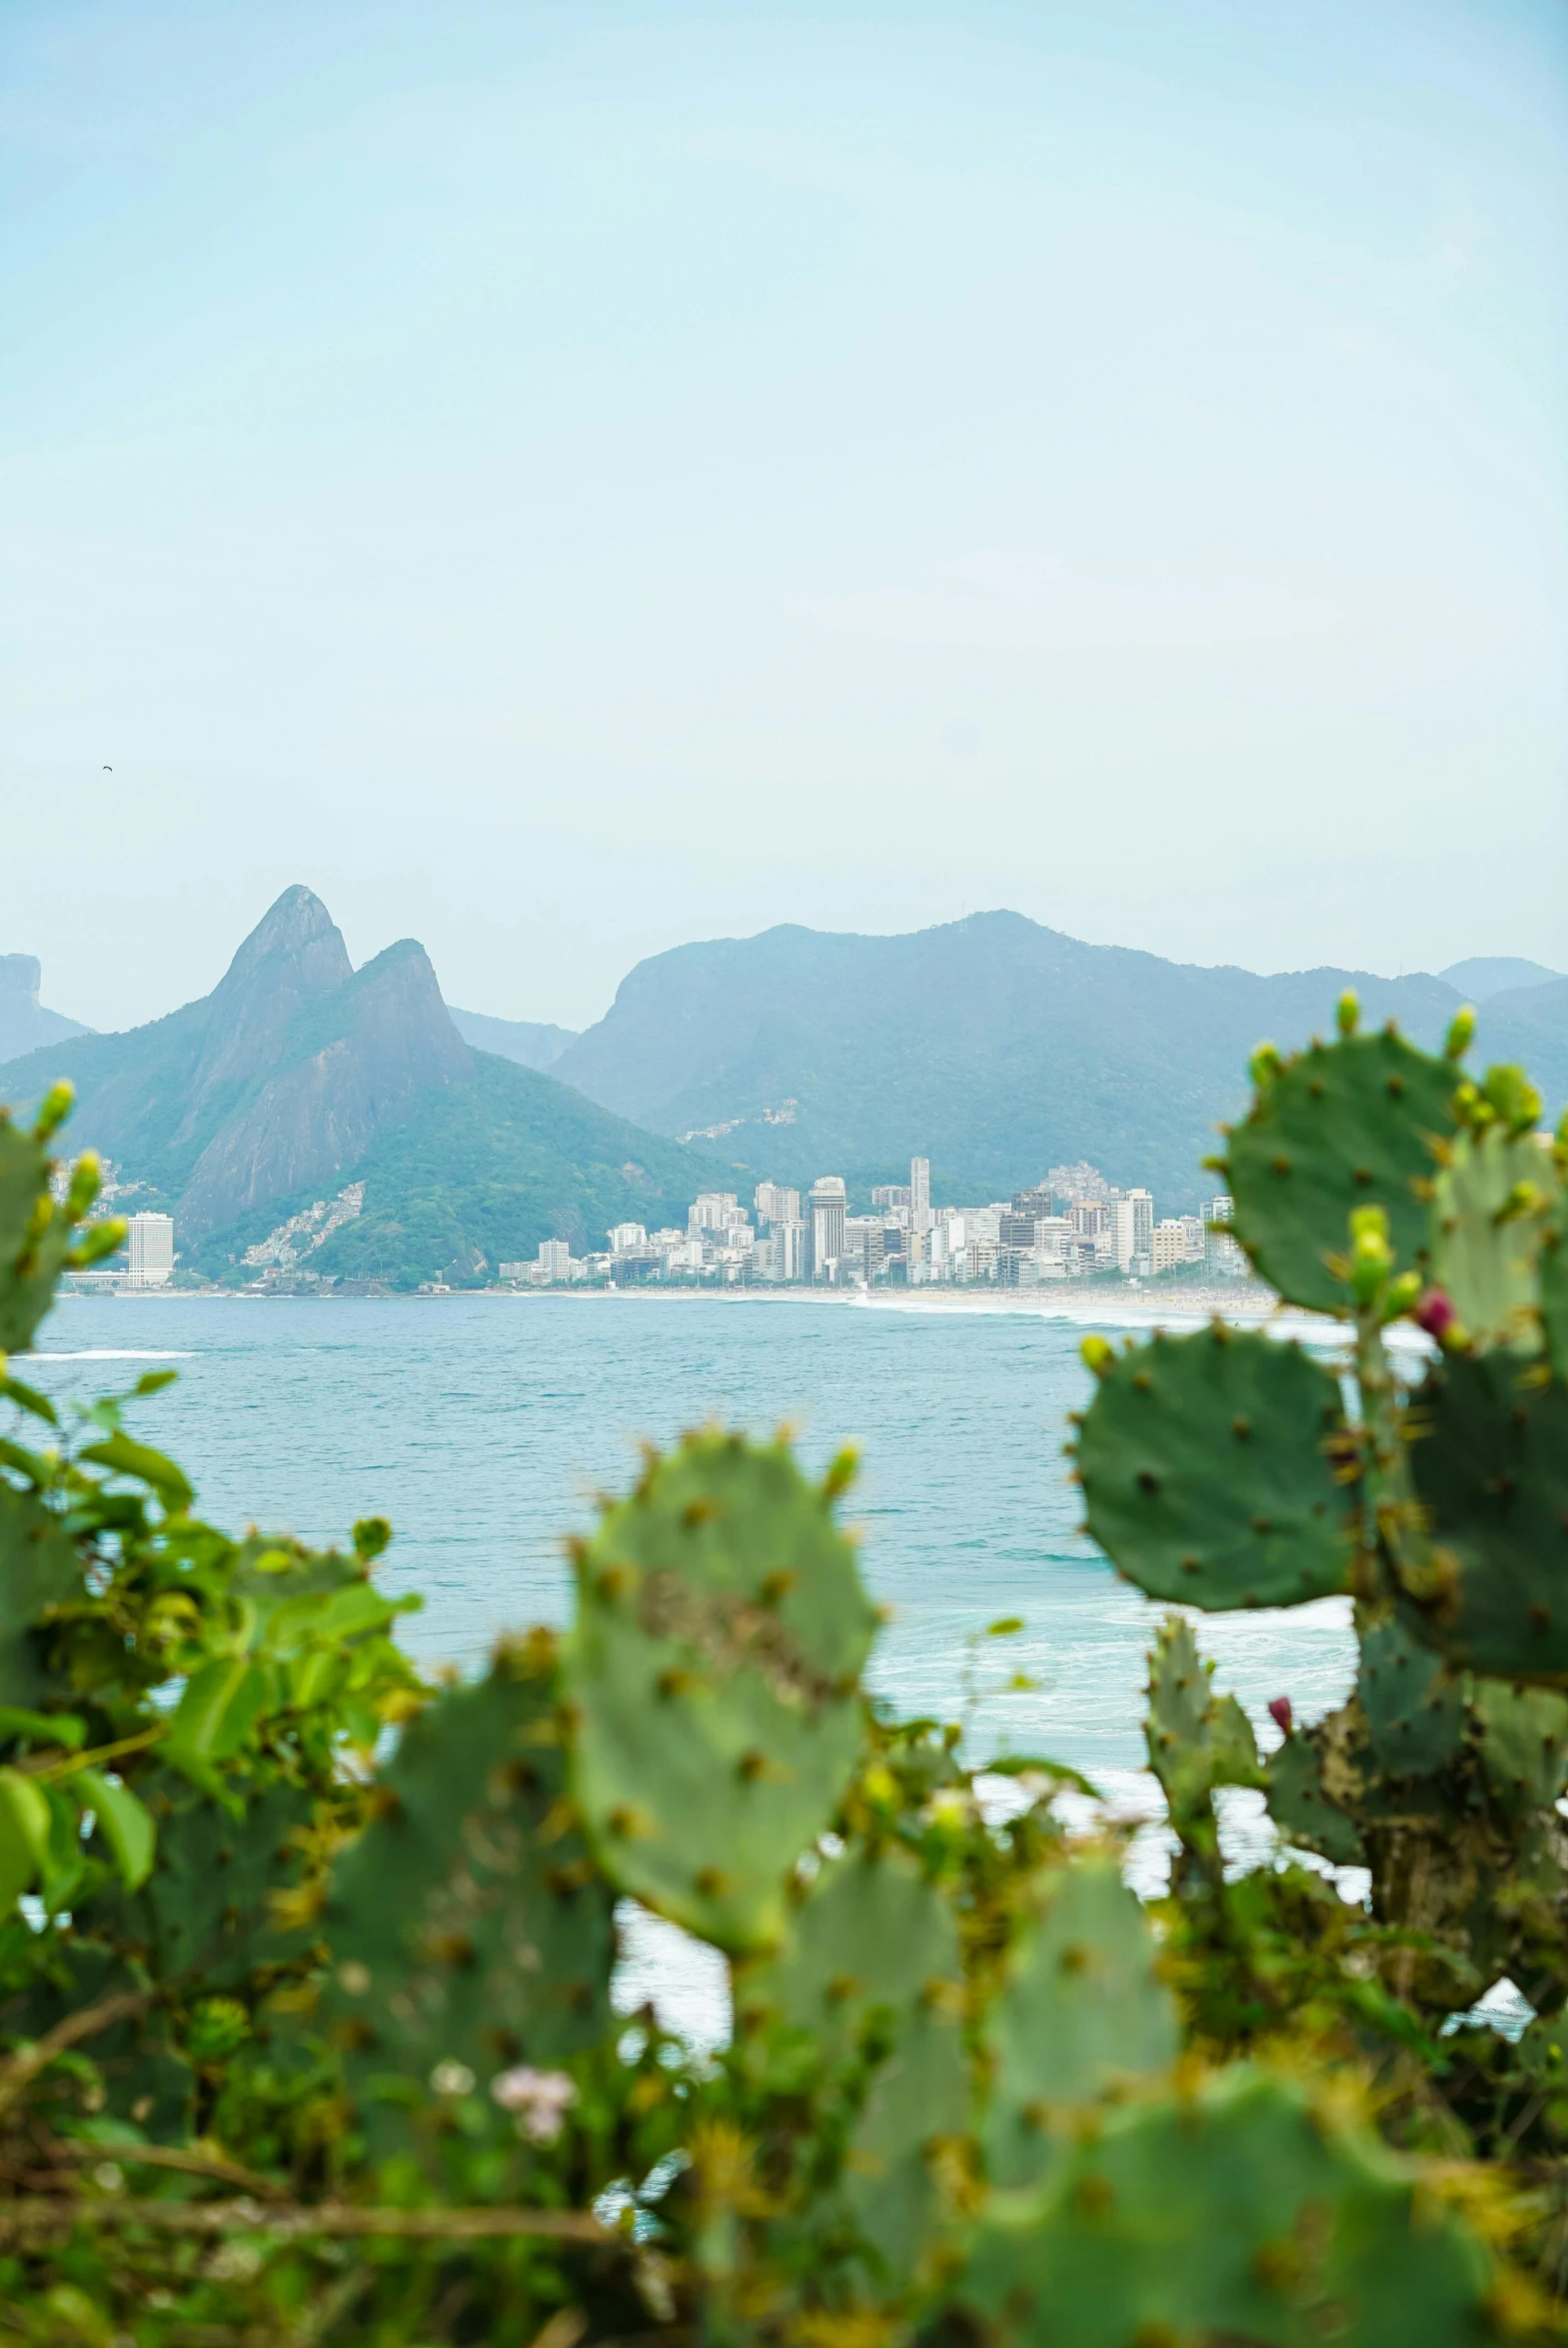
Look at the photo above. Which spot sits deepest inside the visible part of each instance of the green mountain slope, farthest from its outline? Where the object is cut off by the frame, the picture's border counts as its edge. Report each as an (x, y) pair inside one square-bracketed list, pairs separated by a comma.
[(992, 1045), (299, 1075)]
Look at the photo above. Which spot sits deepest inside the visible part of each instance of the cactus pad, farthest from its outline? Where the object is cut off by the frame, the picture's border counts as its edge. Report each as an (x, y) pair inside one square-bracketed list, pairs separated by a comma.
[(1353, 1124), (30, 1258), (1240, 2211), (1524, 1744), (1208, 1471), (1415, 1712), (1490, 1215), (1197, 1741), (1300, 1806), (1081, 2012), (467, 1924), (1492, 1477), (871, 1970), (714, 1676)]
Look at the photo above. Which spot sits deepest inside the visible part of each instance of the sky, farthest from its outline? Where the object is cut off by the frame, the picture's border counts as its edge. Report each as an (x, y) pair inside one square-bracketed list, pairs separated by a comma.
[(563, 480)]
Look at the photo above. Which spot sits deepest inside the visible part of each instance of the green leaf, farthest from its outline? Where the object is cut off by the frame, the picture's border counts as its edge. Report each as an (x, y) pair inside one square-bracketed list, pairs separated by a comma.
[(44, 1727), (29, 1398), (24, 1835), (218, 1711), (125, 1458), (1036, 1765), (124, 1822), (152, 1381)]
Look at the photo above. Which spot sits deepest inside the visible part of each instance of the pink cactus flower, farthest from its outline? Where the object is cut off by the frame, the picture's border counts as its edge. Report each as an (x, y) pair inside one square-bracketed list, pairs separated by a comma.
[(1435, 1314), (1281, 1713)]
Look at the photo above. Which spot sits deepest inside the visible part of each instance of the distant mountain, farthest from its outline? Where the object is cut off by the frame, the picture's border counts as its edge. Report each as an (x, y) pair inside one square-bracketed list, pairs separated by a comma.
[(528, 1042), (1486, 975), (299, 1075), (24, 1022), (992, 1045)]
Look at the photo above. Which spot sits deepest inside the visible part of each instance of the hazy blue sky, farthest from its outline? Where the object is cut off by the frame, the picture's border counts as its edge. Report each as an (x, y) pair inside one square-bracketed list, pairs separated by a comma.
[(567, 480)]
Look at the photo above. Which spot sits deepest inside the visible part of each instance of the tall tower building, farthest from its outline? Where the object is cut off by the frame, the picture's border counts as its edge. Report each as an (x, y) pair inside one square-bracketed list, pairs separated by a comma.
[(1134, 1213), (919, 1193), (828, 1203), (152, 1250)]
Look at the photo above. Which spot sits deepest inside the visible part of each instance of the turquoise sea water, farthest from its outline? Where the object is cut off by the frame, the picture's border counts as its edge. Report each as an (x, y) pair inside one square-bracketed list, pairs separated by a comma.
[(483, 1425)]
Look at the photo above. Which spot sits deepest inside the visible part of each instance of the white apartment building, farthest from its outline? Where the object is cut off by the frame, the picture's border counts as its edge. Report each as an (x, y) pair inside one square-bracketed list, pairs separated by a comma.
[(776, 1203), (555, 1259), (714, 1210), (627, 1239), (1224, 1255), (151, 1242), (919, 1193), (1169, 1250), (1134, 1224), (828, 1205)]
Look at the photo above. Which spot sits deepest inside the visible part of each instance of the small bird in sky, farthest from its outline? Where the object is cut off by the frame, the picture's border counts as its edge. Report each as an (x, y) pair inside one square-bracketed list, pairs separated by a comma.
[(107, 770)]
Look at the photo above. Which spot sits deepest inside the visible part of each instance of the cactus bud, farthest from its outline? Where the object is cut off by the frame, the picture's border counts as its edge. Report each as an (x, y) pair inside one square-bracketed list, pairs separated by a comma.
[(53, 1109), (1461, 1030), (86, 1182), (1402, 1293), (1435, 1314), (1098, 1356), (1348, 1012), (1282, 1714), (97, 1242), (1264, 1065), (1513, 1098), (1368, 1222)]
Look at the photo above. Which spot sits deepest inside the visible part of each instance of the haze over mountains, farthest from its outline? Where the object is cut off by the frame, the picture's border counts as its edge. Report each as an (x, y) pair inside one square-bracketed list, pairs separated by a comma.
[(24, 1022), (992, 1046)]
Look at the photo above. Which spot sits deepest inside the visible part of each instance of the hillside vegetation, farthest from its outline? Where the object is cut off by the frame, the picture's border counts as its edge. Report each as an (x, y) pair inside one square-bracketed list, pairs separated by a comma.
[(992, 1045)]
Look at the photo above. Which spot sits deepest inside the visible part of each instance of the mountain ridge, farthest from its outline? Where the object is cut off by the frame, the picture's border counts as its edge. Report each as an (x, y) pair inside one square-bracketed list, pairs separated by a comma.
[(992, 1046), (298, 1074)]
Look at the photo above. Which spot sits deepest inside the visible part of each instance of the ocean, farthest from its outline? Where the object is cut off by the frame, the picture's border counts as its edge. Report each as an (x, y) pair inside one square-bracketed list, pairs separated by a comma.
[(483, 1426)]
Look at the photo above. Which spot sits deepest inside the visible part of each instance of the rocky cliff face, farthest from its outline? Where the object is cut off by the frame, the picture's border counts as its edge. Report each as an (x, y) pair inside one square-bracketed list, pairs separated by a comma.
[(292, 959), (24, 1022), (354, 1064)]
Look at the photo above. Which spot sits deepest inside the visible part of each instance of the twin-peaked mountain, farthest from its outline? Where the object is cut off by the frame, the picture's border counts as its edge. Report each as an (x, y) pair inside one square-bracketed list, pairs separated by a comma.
[(298, 1075)]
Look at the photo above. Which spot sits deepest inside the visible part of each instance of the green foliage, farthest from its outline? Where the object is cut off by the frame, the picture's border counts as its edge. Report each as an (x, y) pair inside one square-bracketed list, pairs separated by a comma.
[(307, 2028)]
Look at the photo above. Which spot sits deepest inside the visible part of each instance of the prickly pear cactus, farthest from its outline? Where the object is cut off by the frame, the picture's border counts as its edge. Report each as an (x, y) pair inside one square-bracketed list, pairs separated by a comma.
[(864, 2000), (1083, 2015), (1413, 1705), (1495, 1196), (1245, 2208), (38, 1234), (1490, 1470), (1210, 1467), (1353, 1124), (470, 1931), (714, 1677), (1197, 1740)]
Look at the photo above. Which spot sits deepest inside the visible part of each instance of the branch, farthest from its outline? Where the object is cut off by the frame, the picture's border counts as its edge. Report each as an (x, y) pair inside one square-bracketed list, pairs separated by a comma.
[(160, 2156), (21, 2068), (45, 2214)]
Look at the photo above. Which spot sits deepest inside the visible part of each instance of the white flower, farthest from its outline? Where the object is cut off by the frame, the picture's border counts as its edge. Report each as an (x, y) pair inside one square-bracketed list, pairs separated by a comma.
[(539, 2098), (450, 2078)]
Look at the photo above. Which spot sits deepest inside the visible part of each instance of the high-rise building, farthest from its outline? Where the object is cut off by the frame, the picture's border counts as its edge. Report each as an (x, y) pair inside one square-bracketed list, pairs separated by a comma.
[(829, 1204), (627, 1239), (1134, 1218), (1169, 1250), (151, 1241), (1224, 1255), (774, 1204), (555, 1259), (919, 1193), (712, 1211), (891, 1195)]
